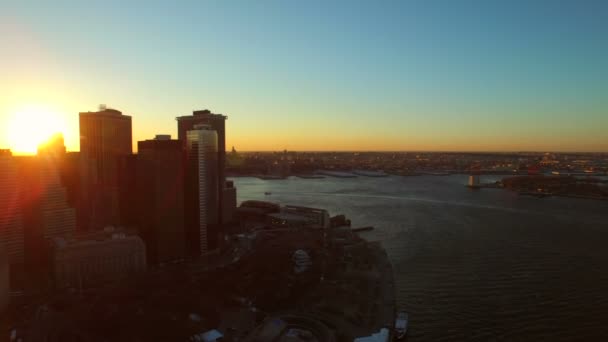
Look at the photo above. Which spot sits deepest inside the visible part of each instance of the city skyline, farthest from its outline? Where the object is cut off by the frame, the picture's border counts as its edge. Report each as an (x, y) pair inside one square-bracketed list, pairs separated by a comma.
[(331, 171), (311, 77)]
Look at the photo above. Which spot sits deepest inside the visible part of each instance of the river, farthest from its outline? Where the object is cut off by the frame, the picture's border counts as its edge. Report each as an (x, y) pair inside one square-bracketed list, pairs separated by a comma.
[(475, 265)]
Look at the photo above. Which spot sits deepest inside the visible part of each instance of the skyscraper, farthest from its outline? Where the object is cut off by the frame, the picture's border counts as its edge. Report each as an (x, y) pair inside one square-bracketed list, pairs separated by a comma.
[(11, 225), (105, 138), (46, 212), (58, 218), (4, 280), (202, 190), (217, 122), (160, 198)]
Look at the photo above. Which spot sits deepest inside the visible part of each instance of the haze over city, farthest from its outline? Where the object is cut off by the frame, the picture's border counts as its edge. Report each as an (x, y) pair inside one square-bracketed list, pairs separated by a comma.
[(474, 76)]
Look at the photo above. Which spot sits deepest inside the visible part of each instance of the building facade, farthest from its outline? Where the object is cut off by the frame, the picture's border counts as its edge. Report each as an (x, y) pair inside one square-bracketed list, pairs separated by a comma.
[(292, 216), (160, 191), (202, 191), (58, 217), (11, 224), (91, 260), (105, 140), (4, 279), (229, 203), (46, 213), (216, 122)]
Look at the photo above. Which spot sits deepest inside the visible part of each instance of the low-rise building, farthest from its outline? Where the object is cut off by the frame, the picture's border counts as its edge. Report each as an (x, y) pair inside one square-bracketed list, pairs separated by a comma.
[(97, 258), (287, 220), (292, 216), (256, 211)]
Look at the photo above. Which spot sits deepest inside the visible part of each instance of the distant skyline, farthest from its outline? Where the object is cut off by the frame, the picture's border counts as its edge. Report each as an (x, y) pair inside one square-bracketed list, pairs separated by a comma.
[(356, 76)]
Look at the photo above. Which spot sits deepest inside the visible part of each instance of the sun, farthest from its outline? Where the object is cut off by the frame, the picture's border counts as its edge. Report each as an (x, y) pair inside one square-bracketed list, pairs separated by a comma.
[(31, 125)]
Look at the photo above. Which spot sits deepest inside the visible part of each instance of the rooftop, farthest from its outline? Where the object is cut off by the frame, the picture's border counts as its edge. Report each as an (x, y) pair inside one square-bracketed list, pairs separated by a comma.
[(105, 112), (202, 113), (162, 137), (286, 216)]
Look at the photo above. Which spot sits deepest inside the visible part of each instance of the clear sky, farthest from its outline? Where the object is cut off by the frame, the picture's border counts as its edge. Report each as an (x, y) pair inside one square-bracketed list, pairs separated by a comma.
[(314, 75)]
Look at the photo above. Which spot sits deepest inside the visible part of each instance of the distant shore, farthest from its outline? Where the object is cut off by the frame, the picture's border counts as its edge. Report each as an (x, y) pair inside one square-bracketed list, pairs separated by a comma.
[(557, 185)]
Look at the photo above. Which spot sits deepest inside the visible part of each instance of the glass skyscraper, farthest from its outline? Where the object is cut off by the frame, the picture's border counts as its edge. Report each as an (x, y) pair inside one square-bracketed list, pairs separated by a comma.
[(202, 190)]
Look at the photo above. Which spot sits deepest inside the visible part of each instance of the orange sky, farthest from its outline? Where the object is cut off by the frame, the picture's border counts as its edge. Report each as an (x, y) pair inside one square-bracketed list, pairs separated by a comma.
[(401, 82)]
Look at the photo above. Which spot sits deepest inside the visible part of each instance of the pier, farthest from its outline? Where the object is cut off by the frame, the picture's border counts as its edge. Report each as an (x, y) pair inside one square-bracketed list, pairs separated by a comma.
[(337, 174)]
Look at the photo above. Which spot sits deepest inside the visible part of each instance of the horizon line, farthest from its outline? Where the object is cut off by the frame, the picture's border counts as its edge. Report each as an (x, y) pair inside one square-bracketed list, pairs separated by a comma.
[(25, 154)]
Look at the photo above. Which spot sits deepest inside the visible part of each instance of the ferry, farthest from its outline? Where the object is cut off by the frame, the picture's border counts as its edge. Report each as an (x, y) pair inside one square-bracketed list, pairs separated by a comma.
[(267, 193), (401, 323)]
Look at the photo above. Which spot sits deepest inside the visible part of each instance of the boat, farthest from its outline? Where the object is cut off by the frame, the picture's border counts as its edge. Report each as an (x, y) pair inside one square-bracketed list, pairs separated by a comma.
[(401, 323), (267, 193)]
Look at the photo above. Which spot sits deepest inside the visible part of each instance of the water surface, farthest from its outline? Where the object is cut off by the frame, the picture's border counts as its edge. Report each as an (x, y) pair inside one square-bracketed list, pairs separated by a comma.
[(474, 264)]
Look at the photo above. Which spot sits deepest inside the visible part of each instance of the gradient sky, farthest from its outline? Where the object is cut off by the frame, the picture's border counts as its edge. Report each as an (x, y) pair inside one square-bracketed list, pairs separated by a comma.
[(308, 75)]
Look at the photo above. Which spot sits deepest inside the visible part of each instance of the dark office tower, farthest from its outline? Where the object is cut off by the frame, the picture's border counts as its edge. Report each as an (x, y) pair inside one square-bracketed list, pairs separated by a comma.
[(71, 180), (202, 190), (217, 122), (47, 214), (229, 203), (11, 225), (105, 139), (160, 202), (58, 217), (127, 194), (4, 280)]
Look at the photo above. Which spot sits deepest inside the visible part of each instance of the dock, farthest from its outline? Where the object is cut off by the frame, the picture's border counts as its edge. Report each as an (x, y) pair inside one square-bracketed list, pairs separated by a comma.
[(311, 176), (270, 177), (337, 174), (370, 173)]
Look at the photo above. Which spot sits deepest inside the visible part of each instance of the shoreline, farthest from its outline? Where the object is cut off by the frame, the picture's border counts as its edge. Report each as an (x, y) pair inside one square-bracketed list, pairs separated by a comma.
[(542, 195)]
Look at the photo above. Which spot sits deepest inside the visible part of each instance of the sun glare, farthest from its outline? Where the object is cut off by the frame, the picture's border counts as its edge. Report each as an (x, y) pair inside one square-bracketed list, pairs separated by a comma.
[(29, 126)]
